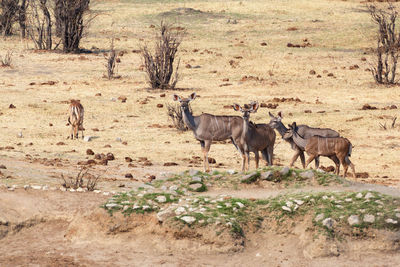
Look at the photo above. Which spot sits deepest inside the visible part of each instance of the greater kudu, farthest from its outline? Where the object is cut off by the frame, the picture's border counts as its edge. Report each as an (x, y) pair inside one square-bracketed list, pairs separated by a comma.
[(315, 146), (207, 127), (305, 132), (75, 118), (254, 137)]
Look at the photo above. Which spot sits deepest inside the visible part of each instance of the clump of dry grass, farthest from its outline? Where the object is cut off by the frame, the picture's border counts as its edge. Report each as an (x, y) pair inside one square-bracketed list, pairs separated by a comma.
[(175, 113), (78, 181), (6, 60)]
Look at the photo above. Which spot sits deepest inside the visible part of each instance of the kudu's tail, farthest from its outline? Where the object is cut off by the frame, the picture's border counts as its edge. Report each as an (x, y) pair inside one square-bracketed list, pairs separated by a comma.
[(349, 154)]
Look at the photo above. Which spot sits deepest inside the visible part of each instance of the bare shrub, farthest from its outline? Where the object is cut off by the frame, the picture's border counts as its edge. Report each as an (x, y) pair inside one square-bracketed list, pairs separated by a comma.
[(8, 15), (70, 23), (388, 43), (160, 65), (39, 24), (78, 181), (6, 60), (112, 61), (175, 113), (22, 17)]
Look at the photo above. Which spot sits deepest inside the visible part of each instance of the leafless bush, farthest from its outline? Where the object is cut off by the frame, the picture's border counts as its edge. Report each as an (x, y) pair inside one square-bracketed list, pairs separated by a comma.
[(6, 60), (112, 60), (70, 23), (78, 181), (393, 124), (160, 65), (175, 113), (8, 15), (388, 43), (39, 23)]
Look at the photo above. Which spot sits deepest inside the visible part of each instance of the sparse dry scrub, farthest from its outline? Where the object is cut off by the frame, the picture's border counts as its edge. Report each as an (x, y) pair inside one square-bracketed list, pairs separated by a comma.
[(6, 60), (8, 15), (175, 113), (39, 22), (78, 181), (388, 43), (160, 65), (70, 23)]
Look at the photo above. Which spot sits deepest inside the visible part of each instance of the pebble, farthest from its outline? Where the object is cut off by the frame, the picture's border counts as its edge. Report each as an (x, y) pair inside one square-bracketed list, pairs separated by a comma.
[(88, 138), (299, 202), (231, 172), (328, 223), (188, 219), (307, 174), (353, 219), (285, 170), (196, 179), (369, 218), (391, 221), (359, 195), (180, 210), (161, 199), (369, 195), (286, 208), (37, 187), (319, 217), (266, 175), (240, 204)]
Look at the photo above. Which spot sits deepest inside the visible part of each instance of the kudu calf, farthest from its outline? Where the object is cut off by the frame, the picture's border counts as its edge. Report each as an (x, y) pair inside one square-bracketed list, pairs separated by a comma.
[(207, 127), (75, 118), (254, 137), (315, 146), (305, 132)]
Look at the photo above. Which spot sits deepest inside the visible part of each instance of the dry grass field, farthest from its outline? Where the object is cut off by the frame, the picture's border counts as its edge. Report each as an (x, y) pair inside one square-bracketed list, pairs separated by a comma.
[(232, 52)]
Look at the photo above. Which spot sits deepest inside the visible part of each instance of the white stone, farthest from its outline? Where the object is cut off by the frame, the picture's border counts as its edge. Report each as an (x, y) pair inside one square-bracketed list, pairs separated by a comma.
[(240, 204), (27, 186), (88, 138), (196, 179), (96, 191), (353, 219), (80, 189), (391, 221), (219, 207), (112, 205), (135, 207), (289, 204), (72, 190), (113, 99), (173, 188), (188, 219), (328, 223), (125, 208), (106, 193), (195, 186), (258, 255), (231, 172), (37, 187), (118, 139), (161, 199), (285, 170), (398, 215), (11, 189), (203, 209), (193, 172), (286, 208), (266, 175), (359, 195), (62, 188), (180, 210), (307, 174), (369, 195), (324, 197), (369, 218), (299, 202), (319, 217), (348, 200), (228, 204), (146, 207)]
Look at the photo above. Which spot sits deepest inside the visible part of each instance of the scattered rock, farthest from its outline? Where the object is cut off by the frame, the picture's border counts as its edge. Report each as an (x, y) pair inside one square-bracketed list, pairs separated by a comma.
[(196, 179), (122, 98), (391, 221), (19, 135), (368, 218), (231, 172), (170, 164), (3, 167), (328, 223), (240, 205), (118, 139), (250, 178), (359, 195), (89, 152), (353, 220), (188, 219), (180, 210), (197, 187), (369, 195), (312, 72), (286, 208), (98, 94), (88, 138), (307, 174), (319, 217), (163, 215), (285, 171), (263, 44), (110, 156), (162, 95), (60, 144), (267, 175), (12, 106), (161, 199), (128, 159), (211, 160), (160, 105), (129, 175), (368, 107), (307, 111)]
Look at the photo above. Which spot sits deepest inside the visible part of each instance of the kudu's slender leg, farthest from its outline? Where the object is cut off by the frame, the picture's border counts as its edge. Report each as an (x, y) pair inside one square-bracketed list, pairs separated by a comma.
[(295, 156), (205, 147), (256, 158), (311, 158), (247, 156), (317, 162), (270, 155)]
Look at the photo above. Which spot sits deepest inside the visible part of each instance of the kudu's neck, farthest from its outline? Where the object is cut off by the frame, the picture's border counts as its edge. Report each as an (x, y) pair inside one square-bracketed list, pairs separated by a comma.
[(188, 119), (299, 141), (281, 128)]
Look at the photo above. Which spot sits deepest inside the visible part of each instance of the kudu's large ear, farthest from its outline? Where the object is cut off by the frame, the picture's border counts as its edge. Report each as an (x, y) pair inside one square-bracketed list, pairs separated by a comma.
[(176, 98), (254, 106), (192, 96), (294, 125), (271, 115), (236, 107), (280, 114)]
